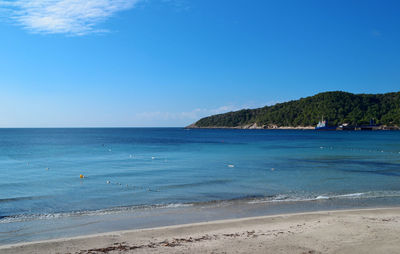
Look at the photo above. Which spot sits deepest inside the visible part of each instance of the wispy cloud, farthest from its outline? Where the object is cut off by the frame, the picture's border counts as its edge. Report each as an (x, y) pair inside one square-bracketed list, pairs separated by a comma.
[(190, 116), (178, 5), (183, 116), (376, 33), (73, 17)]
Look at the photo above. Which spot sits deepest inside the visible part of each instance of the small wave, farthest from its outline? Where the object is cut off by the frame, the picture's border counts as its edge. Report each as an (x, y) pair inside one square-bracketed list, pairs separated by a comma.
[(297, 198), (212, 203), (351, 195), (195, 184), (116, 210), (4, 200), (176, 205), (280, 198)]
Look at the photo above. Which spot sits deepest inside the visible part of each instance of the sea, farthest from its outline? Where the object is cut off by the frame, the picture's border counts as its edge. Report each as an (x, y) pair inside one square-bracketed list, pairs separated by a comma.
[(57, 182)]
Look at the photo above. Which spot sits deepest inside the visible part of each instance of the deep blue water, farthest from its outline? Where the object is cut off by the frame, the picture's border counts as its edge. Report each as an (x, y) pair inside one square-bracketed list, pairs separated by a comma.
[(145, 167)]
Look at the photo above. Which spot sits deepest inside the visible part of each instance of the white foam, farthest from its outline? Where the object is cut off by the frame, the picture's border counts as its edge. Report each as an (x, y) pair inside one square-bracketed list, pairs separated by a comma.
[(350, 195), (116, 210), (299, 198), (176, 205)]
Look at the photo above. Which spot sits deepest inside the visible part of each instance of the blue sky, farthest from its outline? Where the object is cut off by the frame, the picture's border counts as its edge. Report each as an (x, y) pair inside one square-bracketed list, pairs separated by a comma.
[(104, 63)]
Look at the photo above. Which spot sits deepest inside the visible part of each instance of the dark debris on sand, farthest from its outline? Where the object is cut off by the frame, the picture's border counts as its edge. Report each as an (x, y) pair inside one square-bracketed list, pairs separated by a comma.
[(121, 247)]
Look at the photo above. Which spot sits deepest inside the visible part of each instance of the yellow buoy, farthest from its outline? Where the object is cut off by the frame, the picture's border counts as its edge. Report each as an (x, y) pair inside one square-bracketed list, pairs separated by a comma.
[(81, 176)]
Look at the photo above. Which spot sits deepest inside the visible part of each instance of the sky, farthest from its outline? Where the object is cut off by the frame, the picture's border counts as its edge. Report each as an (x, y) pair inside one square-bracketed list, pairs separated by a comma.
[(167, 63)]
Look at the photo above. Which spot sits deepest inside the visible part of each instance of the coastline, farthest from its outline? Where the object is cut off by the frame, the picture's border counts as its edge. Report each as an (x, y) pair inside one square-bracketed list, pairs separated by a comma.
[(339, 231), (275, 127), (254, 127)]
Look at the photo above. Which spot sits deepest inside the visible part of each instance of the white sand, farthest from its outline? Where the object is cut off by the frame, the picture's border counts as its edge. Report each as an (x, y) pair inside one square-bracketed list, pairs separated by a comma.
[(350, 231)]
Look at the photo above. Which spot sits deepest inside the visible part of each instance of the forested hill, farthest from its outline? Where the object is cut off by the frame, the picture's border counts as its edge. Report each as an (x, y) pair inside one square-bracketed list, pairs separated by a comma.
[(336, 107)]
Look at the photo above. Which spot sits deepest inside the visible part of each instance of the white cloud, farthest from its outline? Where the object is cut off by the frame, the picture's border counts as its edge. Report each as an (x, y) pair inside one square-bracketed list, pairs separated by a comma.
[(188, 117), (163, 118), (195, 114), (376, 33), (73, 17), (178, 5)]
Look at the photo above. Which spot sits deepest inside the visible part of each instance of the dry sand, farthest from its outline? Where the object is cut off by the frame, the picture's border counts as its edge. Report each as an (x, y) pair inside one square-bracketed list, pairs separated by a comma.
[(350, 231)]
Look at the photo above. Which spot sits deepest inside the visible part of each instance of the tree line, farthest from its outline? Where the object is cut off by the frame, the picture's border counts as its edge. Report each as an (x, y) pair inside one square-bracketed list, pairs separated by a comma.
[(335, 107)]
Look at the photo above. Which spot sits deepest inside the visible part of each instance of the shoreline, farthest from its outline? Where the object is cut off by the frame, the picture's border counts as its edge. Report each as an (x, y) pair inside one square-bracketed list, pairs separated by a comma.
[(103, 221), (346, 231), (254, 127)]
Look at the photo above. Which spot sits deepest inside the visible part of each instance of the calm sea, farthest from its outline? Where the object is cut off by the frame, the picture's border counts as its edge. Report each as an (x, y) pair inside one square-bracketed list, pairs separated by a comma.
[(148, 171)]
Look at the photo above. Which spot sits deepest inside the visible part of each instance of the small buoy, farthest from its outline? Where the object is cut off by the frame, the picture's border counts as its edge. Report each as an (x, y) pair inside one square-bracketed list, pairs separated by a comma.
[(153, 158), (81, 176), (47, 168), (272, 169), (108, 182)]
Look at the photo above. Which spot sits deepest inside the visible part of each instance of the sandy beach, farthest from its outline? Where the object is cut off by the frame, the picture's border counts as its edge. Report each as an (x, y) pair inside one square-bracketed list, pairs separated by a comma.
[(347, 231)]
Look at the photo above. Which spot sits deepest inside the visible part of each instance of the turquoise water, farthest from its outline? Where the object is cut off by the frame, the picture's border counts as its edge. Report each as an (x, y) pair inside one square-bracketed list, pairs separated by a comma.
[(148, 168)]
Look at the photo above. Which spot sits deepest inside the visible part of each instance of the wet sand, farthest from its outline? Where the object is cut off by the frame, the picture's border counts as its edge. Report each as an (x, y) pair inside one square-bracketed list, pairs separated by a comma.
[(347, 231)]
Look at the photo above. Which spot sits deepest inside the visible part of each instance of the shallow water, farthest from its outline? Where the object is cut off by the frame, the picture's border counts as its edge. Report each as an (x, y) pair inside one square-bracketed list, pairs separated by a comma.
[(128, 170)]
